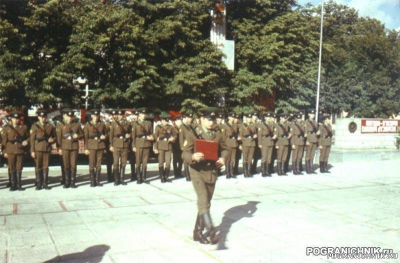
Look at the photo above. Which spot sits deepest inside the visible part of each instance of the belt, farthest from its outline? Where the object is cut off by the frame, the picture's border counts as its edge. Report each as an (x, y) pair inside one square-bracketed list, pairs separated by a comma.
[(326, 137)]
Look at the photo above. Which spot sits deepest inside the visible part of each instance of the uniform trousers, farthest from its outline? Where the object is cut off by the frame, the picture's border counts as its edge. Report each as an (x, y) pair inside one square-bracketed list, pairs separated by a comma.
[(164, 156), (310, 151), (70, 159), (120, 153), (15, 162), (266, 153), (282, 153), (324, 153), (42, 161), (297, 153), (247, 154), (95, 159)]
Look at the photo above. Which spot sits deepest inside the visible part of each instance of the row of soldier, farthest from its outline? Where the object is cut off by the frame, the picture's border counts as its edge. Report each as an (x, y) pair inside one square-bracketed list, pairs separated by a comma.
[(120, 139)]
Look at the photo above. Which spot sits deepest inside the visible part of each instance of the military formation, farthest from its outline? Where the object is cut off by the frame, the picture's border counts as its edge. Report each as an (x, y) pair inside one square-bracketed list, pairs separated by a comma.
[(272, 138)]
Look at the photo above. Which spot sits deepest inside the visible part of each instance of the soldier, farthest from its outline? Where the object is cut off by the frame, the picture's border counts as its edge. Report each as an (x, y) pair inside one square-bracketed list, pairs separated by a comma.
[(248, 133), (204, 174), (257, 152), (298, 132), (142, 139), (187, 129), (238, 123), (311, 132), (266, 143), (14, 139), (177, 161), (109, 154), (230, 134), (132, 156), (43, 135), (282, 131), (325, 142), (95, 136), (164, 136), (273, 157), (8, 122), (120, 134), (68, 134)]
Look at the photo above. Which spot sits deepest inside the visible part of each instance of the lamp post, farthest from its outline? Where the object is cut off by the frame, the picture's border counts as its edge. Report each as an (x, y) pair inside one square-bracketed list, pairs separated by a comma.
[(83, 81), (319, 61)]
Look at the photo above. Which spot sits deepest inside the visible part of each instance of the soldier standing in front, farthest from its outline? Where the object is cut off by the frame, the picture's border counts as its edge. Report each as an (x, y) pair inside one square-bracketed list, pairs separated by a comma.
[(325, 142), (298, 132), (68, 134), (248, 133), (311, 133), (14, 139), (95, 136), (177, 161), (187, 129), (204, 174), (266, 142), (43, 135), (282, 131), (230, 134)]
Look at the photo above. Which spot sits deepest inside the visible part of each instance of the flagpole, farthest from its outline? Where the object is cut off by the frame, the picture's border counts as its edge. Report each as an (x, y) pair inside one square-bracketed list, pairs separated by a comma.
[(319, 61)]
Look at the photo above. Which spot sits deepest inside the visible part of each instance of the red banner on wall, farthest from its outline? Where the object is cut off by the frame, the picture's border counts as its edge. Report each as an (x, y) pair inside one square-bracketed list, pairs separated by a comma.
[(379, 125)]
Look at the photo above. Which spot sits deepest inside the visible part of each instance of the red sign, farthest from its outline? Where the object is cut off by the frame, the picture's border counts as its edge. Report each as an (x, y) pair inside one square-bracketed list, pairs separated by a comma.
[(379, 125)]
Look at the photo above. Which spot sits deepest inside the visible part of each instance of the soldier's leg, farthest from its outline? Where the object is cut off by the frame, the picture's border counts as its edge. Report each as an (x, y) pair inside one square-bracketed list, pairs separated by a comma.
[(62, 180), (67, 168), (256, 156), (145, 156), (138, 154), (327, 152), (228, 163), (132, 160), (13, 171), (116, 156), (92, 164), (161, 165), (294, 159), (167, 170), (99, 159), (264, 152), (74, 163), (269, 151), (19, 165), (124, 161), (245, 158), (45, 170), (109, 163), (250, 159), (38, 170)]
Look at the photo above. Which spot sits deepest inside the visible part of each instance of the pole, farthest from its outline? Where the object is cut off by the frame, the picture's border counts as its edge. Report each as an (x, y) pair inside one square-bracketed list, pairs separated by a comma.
[(319, 61)]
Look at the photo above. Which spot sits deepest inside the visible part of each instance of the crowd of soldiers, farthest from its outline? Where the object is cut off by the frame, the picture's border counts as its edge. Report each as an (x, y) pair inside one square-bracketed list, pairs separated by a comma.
[(253, 137)]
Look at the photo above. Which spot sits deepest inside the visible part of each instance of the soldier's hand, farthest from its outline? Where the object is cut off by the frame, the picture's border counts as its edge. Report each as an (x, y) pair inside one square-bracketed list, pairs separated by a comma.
[(155, 151), (293, 147), (198, 157), (239, 138), (60, 152), (51, 140), (260, 146), (240, 147), (87, 152), (318, 133), (171, 139), (220, 162), (307, 143), (24, 143), (255, 136), (112, 149), (134, 149), (33, 155), (150, 138), (320, 147), (277, 147), (102, 137), (127, 136), (75, 136), (5, 155)]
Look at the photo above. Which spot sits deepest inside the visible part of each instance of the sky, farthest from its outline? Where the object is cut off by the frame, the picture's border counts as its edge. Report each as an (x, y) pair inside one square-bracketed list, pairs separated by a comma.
[(387, 11)]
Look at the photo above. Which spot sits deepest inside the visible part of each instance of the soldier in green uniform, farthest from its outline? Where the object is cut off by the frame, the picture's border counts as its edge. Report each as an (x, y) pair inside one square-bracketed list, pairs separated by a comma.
[(237, 121), (68, 134), (8, 122), (132, 158), (120, 134), (248, 133), (109, 154), (142, 138), (266, 143), (325, 142), (273, 157), (297, 141), (177, 161), (230, 134), (311, 132), (43, 135), (95, 136), (187, 129), (257, 152), (164, 136), (204, 174), (15, 138), (282, 131)]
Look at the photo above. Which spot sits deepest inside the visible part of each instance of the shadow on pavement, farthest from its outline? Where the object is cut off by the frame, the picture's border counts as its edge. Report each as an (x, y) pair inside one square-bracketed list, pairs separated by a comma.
[(92, 254), (231, 216)]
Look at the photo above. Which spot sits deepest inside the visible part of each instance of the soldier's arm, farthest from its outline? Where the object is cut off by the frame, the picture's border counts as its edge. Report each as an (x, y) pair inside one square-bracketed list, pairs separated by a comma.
[(86, 135)]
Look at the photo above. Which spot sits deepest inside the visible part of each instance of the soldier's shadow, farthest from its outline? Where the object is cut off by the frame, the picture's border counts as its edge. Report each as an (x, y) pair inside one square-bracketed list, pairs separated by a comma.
[(231, 216), (92, 254)]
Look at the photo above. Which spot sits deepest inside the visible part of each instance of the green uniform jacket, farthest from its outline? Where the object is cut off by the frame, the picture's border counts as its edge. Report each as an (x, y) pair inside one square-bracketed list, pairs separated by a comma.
[(282, 131), (40, 134), (92, 132), (325, 138), (186, 130), (230, 133), (65, 131), (297, 130), (265, 134), (118, 130), (12, 138), (311, 129), (246, 131), (162, 135), (139, 132)]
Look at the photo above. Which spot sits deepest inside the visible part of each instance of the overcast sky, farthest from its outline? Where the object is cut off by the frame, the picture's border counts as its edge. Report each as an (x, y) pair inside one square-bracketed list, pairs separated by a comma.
[(387, 11)]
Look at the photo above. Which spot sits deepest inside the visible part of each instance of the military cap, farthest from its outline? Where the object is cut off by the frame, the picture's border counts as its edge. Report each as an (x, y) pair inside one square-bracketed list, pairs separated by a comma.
[(41, 113), (142, 110), (178, 118), (248, 115), (120, 112), (232, 114), (312, 111), (165, 115), (190, 115), (135, 112), (95, 111), (237, 116), (284, 115), (274, 115), (221, 115), (209, 112), (268, 114), (298, 115), (68, 112), (15, 114), (255, 113)]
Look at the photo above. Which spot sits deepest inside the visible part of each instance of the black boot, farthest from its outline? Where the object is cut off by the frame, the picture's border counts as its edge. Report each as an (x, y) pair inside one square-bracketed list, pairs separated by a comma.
[(278, 168), (211, 234), (62, 180), (38, 180), (227, 172), (263, 170), (73, 178), (45, 174), (116, 177), (321, 167), (187, 173), (326, 167), (294, 168), (198, 232), (9, 179), (92, 176), (144, 172), (13, 181), (161, 171), (298, 166), (308, 168), (97, 178), (67, 179), (133, 172), (231, 174), (19, 181), (110, 178), (122, 174), (139, 176), (166, 174)]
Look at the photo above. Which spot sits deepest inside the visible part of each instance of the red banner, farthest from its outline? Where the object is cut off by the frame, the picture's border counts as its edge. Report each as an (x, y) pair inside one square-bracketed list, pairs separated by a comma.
[(379, 125)]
